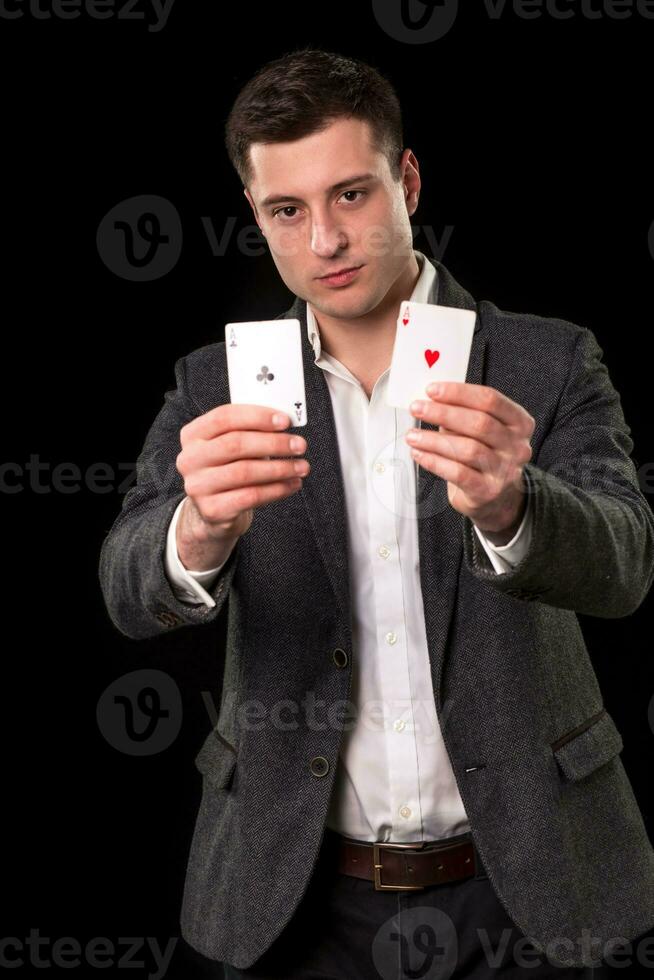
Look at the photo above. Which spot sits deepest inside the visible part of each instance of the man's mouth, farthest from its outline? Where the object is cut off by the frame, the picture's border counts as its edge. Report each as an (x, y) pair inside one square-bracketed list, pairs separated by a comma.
[(340, 277)]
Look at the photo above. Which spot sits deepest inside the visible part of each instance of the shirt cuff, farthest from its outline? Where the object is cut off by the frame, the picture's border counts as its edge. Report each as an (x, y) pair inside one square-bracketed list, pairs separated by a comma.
[(186, 584), (504, 557)]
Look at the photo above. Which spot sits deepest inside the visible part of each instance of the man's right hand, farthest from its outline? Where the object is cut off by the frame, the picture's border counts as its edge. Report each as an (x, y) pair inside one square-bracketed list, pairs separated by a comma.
[(228, 471)]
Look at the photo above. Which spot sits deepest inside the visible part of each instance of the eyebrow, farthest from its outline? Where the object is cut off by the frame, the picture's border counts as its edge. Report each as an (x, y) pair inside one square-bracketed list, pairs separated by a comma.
[(280, 198)]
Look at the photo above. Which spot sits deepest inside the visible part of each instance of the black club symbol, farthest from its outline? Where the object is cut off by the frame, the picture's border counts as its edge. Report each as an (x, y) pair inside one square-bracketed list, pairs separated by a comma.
[(265, 375)]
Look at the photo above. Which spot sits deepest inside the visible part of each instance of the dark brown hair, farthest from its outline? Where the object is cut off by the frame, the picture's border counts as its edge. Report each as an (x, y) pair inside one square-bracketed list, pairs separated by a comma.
[(302, 93)]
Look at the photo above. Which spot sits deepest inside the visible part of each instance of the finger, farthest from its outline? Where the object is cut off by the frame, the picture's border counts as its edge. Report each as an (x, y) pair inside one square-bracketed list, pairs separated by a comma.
[(460, 448), (470, 422), (227, 506), (486, 399), (242, 473), (524, 449), (229, 417), (462, 476), (238, 444)]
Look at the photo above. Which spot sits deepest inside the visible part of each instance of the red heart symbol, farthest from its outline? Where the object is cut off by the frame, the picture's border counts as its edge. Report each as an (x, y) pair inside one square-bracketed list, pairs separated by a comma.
[(405, 320), (432, 356)]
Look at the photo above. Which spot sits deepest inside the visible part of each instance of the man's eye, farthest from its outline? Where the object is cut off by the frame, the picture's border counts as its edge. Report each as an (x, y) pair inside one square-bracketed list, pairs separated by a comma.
[(353, 192), (291, 207)]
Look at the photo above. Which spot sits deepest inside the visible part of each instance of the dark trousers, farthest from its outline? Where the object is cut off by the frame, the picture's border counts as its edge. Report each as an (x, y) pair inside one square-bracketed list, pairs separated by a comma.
[(344, 929)]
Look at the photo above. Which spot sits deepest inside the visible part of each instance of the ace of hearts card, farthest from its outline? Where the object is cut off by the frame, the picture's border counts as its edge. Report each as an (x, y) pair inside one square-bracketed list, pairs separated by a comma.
[(432, 343)]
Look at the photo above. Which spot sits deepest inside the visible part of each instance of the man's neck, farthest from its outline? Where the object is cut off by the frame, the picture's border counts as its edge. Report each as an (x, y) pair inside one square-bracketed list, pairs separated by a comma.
[(368, 339)]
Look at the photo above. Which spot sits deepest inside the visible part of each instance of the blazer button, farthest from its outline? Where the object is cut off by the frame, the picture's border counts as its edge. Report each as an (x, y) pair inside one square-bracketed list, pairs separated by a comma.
[(168, 618), (340, 657), (319, 765)]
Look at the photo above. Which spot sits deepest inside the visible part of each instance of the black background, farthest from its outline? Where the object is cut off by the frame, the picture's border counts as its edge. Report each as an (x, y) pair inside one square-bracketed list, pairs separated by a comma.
[(533, 143)]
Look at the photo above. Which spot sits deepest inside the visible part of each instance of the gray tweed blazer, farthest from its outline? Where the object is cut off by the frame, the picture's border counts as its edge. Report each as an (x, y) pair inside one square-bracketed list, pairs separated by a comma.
[(535, 753)]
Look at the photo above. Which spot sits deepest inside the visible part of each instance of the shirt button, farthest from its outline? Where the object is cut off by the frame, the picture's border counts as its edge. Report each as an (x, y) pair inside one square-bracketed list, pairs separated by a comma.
[(379, 467), (384, 552), (405, 811), (391, 638), (340, 657), (399, 725)]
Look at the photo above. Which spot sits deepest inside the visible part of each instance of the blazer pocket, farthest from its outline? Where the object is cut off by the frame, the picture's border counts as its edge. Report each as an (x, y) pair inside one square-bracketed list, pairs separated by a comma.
[(216, 760), (588, 746)]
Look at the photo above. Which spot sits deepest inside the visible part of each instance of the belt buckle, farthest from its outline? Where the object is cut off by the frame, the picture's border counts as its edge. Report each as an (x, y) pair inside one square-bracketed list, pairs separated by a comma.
[(417, 846)]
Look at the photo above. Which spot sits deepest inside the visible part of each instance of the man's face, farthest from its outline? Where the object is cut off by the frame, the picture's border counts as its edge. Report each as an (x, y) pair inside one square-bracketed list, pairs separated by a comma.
[(313, 230)]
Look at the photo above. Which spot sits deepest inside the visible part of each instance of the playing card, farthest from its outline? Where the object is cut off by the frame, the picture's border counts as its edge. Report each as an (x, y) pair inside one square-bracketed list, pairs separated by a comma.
[(264, 366), (432, 343)]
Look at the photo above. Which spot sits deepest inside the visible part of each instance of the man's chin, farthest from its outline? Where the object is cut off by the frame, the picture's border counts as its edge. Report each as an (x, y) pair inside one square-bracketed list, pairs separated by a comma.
[(347, 308)]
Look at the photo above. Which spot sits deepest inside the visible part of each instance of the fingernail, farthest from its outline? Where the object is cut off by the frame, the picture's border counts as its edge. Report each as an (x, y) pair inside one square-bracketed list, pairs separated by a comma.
[(417, 407), (280, 420), (435, 389)]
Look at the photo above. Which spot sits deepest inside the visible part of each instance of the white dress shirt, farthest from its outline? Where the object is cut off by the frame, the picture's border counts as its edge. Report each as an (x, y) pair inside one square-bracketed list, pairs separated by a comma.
[(394, 780)]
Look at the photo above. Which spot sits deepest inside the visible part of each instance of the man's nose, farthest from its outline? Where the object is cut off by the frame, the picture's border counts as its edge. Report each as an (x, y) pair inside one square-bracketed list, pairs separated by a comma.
[(327, 238)]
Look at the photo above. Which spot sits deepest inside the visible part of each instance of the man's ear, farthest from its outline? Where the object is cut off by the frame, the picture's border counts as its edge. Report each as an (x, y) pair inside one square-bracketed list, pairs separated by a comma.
[(254, 209), (411, 180)]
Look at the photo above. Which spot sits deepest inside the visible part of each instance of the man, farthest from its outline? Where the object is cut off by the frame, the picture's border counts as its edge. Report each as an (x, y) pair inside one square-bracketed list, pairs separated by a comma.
[(486, 814)]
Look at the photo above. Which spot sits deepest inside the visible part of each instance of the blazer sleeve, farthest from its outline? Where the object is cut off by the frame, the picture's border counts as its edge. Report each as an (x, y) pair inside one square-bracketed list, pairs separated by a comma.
[(592, 540), (137, 593)]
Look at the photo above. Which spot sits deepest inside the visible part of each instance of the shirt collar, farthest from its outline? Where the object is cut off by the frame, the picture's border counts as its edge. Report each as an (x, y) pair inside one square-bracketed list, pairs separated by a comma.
[(425, 291)]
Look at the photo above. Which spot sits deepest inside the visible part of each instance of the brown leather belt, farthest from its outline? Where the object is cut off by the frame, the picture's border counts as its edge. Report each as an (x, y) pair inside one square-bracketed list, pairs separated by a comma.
[(407, 867)]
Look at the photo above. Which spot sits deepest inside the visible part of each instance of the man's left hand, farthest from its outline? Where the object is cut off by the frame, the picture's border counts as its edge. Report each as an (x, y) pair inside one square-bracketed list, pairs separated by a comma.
[(480, 450)]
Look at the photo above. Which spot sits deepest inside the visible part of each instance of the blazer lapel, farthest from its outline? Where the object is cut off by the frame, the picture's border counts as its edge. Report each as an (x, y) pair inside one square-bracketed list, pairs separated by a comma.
[(323, 493), (440, 526), (440, 531)]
